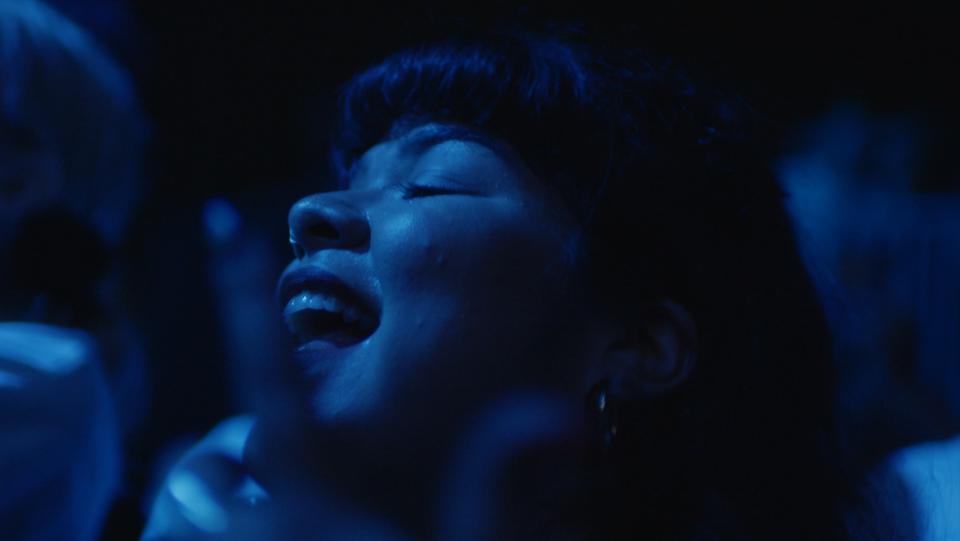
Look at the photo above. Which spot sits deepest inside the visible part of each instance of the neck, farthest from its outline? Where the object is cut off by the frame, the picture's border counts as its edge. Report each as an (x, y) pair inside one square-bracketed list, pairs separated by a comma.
[(357, 476)]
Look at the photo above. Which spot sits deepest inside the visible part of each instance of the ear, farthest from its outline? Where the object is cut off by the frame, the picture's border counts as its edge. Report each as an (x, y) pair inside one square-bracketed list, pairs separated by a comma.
[(652, 355)]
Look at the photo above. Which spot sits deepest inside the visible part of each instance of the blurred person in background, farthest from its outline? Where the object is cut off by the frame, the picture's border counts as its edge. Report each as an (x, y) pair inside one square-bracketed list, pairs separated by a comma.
[(71, 368), (882, 241)]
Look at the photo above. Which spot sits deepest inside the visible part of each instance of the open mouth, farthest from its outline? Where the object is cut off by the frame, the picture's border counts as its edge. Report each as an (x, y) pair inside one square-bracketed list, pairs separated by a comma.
[(314, 315)]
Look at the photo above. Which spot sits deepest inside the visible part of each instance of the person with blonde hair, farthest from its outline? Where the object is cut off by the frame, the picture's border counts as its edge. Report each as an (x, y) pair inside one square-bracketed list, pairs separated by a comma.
[(71, 140)]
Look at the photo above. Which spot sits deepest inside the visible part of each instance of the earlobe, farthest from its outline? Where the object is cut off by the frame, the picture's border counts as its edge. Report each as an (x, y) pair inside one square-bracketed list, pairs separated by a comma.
[(653, 356)]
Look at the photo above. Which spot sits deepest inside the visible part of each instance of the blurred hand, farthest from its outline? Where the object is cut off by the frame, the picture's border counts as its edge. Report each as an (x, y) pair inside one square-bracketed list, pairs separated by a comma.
[(512, 477), (209, 496), (59, 449), (242, 271)]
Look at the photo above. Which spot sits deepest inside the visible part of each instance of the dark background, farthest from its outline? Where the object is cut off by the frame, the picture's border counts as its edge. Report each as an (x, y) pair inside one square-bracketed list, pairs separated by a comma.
[(230, 86)]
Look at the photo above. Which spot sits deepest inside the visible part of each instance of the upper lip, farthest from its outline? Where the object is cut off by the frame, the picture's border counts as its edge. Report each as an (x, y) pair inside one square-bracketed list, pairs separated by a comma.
[(316, 279)]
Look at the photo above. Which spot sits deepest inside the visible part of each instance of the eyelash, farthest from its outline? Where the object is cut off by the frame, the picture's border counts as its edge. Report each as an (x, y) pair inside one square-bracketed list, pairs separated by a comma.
[(422, 190)]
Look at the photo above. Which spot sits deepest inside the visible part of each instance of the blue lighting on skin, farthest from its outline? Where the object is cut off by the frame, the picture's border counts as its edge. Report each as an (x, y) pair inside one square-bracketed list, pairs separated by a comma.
[(196, 504), (931, 471), (40, 347), (61, 462), (10, 380)]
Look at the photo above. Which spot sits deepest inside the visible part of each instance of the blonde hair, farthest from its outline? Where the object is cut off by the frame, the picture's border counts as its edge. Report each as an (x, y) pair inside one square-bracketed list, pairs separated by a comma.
[(56, 81)]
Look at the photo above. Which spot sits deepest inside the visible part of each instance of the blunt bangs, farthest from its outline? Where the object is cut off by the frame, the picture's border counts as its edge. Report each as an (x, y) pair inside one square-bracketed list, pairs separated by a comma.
[(541, 97)]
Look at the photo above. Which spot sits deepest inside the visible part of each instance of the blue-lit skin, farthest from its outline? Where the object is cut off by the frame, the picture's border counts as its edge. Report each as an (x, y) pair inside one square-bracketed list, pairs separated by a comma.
[(466, 258), (208, 496), (469, 259), (59, 444)]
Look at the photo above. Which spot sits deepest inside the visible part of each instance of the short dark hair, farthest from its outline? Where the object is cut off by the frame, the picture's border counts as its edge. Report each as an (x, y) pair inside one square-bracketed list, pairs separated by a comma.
[(677, 199)]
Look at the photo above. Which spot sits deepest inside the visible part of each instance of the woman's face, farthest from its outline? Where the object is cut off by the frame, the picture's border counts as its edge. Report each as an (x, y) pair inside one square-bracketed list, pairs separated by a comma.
[(443, 276)]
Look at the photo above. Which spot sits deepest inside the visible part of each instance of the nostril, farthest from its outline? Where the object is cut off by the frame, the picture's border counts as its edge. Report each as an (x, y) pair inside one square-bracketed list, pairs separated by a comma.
[(322, 230), (321, 222)]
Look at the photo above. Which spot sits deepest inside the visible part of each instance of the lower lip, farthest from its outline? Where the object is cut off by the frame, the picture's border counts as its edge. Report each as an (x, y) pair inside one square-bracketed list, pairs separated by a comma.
[(316, 356)]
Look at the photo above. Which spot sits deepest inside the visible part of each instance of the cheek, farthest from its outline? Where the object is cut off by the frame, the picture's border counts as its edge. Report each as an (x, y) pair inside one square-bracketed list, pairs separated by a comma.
[(470, 280), (409, 247), (467, 250)]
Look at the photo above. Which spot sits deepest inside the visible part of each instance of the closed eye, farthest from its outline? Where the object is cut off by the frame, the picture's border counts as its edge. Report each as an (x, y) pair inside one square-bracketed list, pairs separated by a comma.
[(425, 190)]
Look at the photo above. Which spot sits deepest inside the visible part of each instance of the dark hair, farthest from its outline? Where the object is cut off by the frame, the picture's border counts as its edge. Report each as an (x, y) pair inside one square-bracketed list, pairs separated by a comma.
[(677, 201)]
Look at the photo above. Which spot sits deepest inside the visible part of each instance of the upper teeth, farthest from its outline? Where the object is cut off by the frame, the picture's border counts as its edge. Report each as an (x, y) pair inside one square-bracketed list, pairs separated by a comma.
[(320, 301)]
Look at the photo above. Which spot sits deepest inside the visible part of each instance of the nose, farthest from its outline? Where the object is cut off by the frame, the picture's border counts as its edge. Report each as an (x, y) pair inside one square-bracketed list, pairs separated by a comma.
[(324, 221)]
